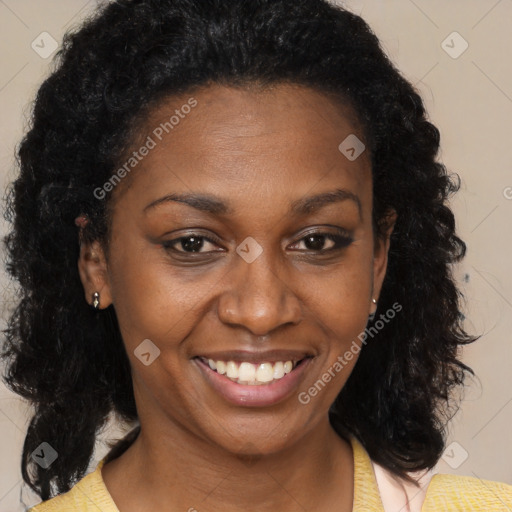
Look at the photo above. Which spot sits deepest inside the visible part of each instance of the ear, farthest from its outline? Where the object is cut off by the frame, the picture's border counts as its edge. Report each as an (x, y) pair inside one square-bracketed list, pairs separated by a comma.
[(380, 257), (93, 270)]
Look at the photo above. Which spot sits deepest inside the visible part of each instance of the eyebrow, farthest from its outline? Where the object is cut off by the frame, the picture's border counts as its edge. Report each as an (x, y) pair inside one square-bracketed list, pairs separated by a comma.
[(311, 204), (213, 205)]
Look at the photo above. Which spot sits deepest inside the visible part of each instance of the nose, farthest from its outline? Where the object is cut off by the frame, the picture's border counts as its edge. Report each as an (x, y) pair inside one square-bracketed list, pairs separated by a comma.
[(258, 298)]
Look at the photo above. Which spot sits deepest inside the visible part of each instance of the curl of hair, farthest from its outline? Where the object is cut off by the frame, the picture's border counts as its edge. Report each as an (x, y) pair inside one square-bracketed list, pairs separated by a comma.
[(69, 360)]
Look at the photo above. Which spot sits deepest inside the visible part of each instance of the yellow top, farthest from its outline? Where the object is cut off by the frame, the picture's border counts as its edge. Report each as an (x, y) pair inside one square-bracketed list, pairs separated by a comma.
[(445, 493)]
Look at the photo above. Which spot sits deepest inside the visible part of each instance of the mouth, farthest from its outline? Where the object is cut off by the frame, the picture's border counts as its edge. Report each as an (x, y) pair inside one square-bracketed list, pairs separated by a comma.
[(251, 374), (251, 380)]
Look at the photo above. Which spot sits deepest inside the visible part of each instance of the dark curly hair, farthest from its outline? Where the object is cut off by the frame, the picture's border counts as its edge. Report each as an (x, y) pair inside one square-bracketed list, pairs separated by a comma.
[(69, 361)]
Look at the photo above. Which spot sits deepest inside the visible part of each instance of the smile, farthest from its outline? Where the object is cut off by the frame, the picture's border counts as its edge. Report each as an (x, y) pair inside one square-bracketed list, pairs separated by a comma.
[(250, 374), (253, 384)]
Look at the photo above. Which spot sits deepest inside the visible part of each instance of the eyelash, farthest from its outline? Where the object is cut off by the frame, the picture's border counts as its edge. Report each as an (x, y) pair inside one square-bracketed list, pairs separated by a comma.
[(340, 242)]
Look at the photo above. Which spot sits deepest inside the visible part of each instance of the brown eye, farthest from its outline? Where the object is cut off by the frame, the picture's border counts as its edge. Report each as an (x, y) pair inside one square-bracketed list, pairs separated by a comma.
[(316, 242), (188, 244)]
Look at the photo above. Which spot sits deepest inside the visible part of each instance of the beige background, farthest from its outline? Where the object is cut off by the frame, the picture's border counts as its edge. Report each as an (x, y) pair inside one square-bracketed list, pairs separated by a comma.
[(469, 98)]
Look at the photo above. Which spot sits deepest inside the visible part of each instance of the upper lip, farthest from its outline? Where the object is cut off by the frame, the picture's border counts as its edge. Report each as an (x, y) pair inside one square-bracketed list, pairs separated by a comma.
[(267, 356)]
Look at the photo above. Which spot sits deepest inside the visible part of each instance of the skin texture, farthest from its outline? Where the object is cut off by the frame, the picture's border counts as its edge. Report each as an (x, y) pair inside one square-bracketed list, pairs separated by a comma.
[(258, 151)]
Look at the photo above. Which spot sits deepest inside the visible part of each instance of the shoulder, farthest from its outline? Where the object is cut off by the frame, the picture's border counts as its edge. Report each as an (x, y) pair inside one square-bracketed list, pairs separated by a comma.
[(466, 494), (88, 495)]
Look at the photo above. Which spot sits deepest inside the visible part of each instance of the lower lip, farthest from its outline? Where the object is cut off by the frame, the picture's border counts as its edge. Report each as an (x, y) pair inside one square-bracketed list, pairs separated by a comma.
[(254, 396)]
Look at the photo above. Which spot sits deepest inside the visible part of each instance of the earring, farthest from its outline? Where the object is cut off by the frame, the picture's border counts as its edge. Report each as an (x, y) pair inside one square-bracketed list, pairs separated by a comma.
[(96, 300), (371, 316)]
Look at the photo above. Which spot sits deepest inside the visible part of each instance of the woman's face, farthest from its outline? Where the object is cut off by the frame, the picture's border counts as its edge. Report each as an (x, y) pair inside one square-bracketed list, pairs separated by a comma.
[(265, 255)]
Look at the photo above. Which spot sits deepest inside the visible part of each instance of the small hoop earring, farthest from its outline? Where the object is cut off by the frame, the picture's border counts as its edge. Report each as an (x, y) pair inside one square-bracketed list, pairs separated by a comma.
[(96, 300)]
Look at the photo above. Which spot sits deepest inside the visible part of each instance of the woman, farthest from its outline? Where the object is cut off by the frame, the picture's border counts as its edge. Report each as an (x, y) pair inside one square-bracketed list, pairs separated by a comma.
[(230, 228)]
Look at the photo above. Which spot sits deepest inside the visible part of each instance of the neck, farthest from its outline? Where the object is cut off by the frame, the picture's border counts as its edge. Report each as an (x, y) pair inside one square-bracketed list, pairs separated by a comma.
[(177, 468)]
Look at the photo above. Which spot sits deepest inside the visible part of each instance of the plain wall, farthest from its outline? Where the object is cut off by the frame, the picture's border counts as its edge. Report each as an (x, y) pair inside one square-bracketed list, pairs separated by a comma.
[(469, 99)]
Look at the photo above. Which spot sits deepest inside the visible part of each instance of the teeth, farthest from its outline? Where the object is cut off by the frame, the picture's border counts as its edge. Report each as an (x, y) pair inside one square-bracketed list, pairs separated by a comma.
[(231, 370), (278, 370), (252, 374), (221, 367), (247, 372), (265, 372)]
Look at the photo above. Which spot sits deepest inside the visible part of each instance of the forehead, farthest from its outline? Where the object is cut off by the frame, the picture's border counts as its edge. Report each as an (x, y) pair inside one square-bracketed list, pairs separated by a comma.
[(280, 137), (268, 114)]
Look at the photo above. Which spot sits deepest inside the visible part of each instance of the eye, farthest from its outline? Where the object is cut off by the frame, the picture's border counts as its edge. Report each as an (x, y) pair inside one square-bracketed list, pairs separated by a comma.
[(192, 243), (315, 242)]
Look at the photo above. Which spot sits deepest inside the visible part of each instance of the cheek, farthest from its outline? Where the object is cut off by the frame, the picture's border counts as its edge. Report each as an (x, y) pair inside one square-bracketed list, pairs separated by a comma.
[(341, 298), (154, 300), (137, 294), (340, 310)]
